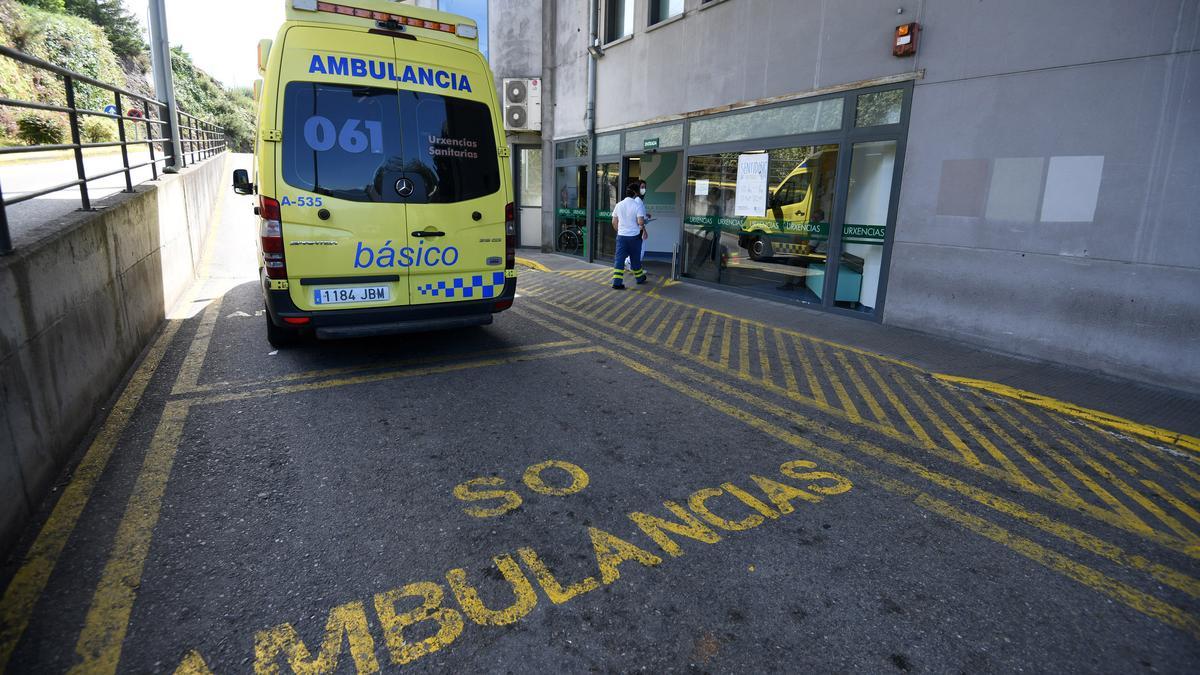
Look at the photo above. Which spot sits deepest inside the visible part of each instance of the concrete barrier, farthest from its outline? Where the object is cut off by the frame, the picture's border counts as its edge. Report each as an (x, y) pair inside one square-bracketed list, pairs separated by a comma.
[(77, 307)]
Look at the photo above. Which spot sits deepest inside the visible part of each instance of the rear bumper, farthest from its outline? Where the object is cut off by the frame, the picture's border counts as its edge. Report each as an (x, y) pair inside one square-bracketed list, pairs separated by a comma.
[(350, 323)]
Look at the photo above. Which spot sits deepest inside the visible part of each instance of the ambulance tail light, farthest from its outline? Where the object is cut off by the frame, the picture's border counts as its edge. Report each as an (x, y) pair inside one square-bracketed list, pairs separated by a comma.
[(270, 232), (510, 238)]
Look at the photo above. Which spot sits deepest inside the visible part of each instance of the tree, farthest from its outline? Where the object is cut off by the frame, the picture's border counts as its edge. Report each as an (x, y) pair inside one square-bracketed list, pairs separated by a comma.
[(48, 5), (121, 27)]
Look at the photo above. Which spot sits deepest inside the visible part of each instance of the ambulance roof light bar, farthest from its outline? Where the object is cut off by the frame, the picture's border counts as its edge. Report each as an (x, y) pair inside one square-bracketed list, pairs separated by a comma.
[(463, 30)]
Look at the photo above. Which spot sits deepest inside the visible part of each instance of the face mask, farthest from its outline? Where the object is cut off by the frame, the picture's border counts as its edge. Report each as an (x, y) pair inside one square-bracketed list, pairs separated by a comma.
[(643, 191)]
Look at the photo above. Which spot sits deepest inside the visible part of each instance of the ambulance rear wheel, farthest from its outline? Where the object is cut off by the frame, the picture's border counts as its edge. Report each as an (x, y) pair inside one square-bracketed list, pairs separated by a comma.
[(280, 338), (760, 248)]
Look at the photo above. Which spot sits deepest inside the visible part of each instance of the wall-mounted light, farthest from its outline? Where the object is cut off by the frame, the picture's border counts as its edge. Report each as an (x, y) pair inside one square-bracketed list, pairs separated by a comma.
[(905, 42), (595, 50)]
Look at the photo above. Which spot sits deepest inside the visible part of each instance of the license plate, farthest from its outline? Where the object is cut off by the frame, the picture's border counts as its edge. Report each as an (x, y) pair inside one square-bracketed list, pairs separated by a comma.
[(347, 294)]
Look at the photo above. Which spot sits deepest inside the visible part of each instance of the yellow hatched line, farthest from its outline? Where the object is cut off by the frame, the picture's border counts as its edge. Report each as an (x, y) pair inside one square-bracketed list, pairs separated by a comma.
[(744, 349), (1106, 496), (706, 343), (1084, 540), (979, 436), (680, 321), (838, 387), (764, 362), (647, 319), (672, 314), (1011, 442), (1191, 491), (726, 342), (1086, 432), (691, 334), (863, 390), (1129, 491), (1172, 500), (189, 372), (785, 365), (892, 398), (944, 429), (638, 303), (610, 307), (810, 373), (1178, 440)]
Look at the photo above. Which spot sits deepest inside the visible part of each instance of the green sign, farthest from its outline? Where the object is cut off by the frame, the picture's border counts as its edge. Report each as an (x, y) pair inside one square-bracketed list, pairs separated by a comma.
[(650, 144), (852, 234)]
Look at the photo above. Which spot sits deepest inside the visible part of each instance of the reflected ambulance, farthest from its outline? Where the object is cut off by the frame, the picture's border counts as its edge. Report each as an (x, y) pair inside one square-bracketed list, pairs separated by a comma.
[(384, 205)]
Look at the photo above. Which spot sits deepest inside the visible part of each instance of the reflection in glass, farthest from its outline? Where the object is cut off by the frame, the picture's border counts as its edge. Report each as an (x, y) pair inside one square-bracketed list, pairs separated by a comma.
[(882, 107), (608, 144), (570, 212), (787, 121), (608, 193), (863, 234), (531, 177), (668, 136), (781, 252)]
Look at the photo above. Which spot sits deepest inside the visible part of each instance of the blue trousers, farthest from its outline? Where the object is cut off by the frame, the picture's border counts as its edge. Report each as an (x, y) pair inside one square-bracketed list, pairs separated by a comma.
[(628, 247)]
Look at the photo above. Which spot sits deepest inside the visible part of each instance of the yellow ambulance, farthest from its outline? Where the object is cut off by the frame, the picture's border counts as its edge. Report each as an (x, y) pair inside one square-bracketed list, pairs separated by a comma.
[(384, 205)]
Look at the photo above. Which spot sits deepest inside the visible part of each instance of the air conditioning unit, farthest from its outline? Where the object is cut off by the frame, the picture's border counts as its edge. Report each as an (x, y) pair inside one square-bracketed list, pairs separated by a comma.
[(522, 104)]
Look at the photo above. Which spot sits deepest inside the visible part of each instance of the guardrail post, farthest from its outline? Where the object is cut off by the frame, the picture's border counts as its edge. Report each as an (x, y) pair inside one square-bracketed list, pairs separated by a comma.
[(124, 147), (5, 239), (77, 141), (150, 137)]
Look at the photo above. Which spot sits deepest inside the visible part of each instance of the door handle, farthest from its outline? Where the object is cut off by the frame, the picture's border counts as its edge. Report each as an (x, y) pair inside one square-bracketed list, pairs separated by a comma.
[(428, 233)]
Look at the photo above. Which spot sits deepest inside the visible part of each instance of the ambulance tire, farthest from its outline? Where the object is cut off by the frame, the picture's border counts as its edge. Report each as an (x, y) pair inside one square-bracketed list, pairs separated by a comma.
[(280, 338), (760, 249)]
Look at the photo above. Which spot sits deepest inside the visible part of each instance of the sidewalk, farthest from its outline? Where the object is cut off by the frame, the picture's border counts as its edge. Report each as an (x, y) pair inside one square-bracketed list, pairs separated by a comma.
[(1079, 392)]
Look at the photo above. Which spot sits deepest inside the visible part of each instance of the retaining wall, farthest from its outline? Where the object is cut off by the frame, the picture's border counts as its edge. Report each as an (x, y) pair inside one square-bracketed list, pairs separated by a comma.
[(77, 307)]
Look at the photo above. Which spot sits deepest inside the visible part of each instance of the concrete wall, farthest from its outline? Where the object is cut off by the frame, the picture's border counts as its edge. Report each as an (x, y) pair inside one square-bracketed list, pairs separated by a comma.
[(77, 307), (1049, 189), (1049, 200)]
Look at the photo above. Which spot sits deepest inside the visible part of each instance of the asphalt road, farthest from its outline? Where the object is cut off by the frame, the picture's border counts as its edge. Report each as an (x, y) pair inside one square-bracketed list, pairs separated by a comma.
[(19, 178), (599, 481)]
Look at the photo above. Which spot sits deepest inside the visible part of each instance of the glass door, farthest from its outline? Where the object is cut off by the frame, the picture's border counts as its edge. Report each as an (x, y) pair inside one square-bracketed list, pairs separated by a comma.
[(608, 193), (570, 223), (865, 228)]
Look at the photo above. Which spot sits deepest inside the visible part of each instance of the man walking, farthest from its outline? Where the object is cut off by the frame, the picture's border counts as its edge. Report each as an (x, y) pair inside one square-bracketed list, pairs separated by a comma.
[(631, 230)]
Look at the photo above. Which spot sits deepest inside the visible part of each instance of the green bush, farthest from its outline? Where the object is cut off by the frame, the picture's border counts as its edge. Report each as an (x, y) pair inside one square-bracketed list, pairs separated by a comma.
[(39, 129), (48, 5), (98, 130)]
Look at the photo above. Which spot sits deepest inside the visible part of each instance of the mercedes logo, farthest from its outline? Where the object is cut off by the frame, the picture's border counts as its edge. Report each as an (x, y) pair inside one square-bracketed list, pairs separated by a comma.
[(404, 187)]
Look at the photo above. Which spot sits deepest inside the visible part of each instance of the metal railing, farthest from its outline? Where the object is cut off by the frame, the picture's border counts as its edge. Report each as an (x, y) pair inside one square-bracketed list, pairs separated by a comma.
[(199, 139)]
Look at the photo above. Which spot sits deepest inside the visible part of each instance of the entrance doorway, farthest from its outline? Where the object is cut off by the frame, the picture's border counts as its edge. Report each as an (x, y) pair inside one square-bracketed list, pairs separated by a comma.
[(663, 173)]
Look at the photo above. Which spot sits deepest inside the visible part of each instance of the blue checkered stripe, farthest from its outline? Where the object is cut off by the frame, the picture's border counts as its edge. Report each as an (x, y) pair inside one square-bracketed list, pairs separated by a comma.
[(477, 286)]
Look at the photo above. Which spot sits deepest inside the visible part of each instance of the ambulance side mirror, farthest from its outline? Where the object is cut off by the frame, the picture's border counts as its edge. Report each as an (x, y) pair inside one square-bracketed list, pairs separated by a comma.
[(241, 182)]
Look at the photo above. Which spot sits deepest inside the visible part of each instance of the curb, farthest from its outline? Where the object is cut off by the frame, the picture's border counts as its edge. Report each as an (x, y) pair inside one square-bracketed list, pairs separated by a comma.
[(532, 263)]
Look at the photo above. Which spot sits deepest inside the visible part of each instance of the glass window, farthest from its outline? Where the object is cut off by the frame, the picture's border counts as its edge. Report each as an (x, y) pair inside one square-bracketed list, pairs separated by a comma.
[(608, 144), (619, 21), (353, 142), (865, 229), (570, 149), (780, 248), (879, 108), (669, 136), (570, 229), (664, 9), (796, 119), (530, 170)]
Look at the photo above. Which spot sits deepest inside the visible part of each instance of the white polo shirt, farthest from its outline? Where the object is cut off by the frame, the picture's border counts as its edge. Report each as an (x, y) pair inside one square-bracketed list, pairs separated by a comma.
[(626, 212)]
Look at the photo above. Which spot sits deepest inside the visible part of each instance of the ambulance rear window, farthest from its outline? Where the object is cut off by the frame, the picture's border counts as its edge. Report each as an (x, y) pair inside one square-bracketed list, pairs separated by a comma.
[(356, 142)]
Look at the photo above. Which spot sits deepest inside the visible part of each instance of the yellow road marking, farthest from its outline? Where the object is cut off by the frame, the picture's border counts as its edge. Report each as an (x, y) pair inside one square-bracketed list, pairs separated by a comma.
[(907, 416), (669, 316), (994, 472), (1118, 506), (347, 370), (1071, 410), (863, 391), (1063, 531), (1175, 439), (99, 644), (838, 387), (979, 436), (39, 561), (726, 342), (810, 373), (968, 455), (189, 372), (1011, 442), (789, 375), (694, 326), (1172, 500), (764, 363), (706, 343), (532, 263), (1089, 577), (744, 349)]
